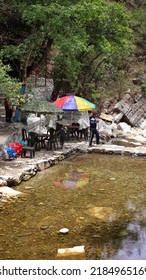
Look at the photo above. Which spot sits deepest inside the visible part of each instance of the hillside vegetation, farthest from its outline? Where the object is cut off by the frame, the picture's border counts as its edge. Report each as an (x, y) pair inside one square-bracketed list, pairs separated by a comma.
[(91, 48)]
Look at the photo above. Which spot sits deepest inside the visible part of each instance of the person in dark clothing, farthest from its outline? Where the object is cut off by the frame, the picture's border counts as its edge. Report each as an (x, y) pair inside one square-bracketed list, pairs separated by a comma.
[(62, 135), (93, 130), (8, 110)]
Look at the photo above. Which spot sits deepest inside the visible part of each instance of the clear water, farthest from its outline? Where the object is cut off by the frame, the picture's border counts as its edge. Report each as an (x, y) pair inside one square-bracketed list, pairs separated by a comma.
[(101, 199)]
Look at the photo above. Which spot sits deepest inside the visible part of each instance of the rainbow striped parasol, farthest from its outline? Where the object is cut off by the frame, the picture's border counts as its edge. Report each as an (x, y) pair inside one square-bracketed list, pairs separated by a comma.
[(74, 103)]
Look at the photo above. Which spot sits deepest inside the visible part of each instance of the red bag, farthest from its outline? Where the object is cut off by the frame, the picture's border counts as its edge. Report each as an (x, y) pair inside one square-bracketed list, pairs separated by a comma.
[(18, 147)]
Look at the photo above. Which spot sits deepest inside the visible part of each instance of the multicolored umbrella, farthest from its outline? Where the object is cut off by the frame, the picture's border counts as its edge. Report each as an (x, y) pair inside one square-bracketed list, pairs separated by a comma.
[(74, 103)]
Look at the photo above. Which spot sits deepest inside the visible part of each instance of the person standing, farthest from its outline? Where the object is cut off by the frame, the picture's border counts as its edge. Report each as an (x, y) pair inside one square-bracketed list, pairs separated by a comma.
[(93, 130), (8, 110), (62, 135)]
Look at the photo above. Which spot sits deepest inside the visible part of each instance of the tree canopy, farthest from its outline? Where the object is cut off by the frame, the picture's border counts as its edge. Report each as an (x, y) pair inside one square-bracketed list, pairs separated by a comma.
[(9, 87), (76, 43)]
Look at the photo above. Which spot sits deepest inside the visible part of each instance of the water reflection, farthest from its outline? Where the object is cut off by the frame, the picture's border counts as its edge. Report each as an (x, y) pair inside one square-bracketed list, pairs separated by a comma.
[(99, 198), (73, 180), (134, 246)]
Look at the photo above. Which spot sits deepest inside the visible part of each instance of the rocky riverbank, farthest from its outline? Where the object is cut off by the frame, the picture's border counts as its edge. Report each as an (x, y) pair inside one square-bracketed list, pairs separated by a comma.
[(118, 135), (13, 172)]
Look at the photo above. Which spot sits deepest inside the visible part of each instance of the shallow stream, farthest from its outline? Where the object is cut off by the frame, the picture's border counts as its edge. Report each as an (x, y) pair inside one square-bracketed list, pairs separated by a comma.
[(101, 199)]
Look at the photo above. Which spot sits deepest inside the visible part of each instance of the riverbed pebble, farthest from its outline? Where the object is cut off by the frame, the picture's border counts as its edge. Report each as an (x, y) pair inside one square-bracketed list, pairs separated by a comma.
[(64, 230)]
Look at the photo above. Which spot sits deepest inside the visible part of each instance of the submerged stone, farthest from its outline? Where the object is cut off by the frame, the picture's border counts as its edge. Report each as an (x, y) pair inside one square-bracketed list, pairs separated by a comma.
[(64, 230), (102, 213), (71, 251), (9, 192)]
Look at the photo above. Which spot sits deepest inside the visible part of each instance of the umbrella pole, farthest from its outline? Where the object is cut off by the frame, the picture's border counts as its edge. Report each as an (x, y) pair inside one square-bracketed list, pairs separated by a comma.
[(40, 124), (71, 116)]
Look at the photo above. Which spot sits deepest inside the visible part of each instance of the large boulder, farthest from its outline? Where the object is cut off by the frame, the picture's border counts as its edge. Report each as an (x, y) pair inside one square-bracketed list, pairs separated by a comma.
[(107, 130), (122, 107), (124, 127), (131, 110), (137, 113)]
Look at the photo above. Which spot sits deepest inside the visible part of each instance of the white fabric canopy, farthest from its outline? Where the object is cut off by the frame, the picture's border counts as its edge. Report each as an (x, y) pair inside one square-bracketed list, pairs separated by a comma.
[(70, 117)]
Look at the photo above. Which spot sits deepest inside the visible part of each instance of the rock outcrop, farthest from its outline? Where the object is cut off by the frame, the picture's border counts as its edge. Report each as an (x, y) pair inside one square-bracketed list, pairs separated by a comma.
[(127, 119), (132, 110)]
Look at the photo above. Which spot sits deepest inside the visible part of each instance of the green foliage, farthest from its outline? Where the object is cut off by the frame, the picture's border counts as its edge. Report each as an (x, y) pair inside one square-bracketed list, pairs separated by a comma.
[(83, 38), (139, 23), (95, 97), (6, 83), (93, 33), (143, 88), (9, 87)]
